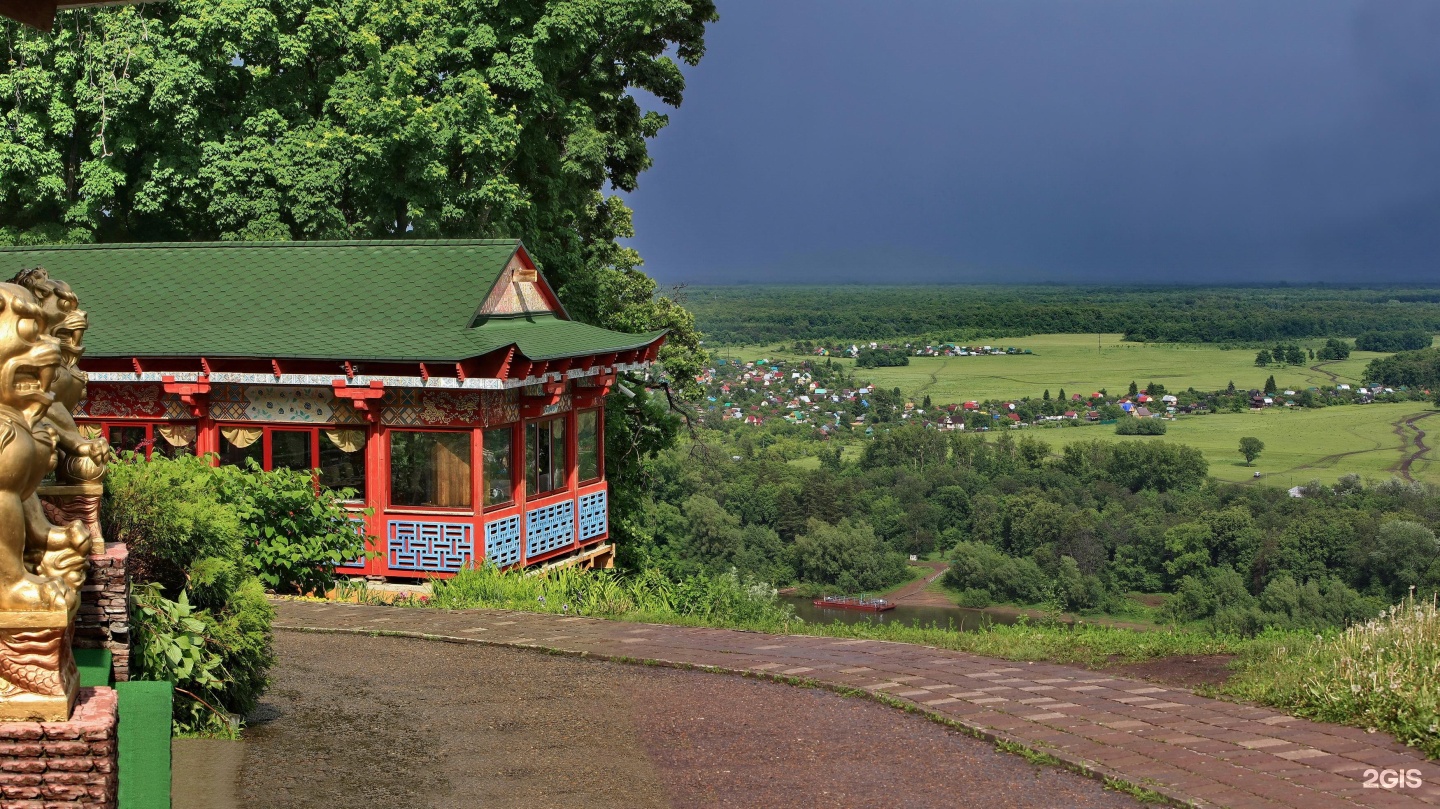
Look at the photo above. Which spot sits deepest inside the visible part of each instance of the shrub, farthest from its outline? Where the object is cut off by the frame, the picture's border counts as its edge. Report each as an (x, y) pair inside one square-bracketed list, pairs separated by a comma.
[(201, 619), (981, 567), (725, 598), (296, 533), (847, 555), (1140, 426)]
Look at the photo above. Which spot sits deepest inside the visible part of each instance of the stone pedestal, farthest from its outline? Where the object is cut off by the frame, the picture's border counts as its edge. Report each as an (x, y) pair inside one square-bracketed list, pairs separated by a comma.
[(62, 765), (38, 679), (104, 619)]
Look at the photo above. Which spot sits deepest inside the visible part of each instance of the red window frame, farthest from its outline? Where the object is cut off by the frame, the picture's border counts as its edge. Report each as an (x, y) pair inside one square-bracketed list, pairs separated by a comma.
[(476, 461), (571, 462), (150, 436), (599, 444), (517, 466), (267, 455)]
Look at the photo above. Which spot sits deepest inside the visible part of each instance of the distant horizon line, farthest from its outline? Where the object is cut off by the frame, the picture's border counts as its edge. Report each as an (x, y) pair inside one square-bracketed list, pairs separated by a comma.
[(1092, 284)]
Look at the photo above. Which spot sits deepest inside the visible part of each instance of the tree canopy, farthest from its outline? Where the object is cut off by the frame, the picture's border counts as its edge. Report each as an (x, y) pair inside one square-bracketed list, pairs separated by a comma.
[(338, 119)]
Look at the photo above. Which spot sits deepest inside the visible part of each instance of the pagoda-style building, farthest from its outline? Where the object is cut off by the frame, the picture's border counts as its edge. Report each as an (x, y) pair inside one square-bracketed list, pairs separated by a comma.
[(442, 381)]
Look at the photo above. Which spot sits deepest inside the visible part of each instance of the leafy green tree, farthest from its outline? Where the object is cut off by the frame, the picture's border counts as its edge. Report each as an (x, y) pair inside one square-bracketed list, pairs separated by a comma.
[(1251, 448), (1334, 350), (1270, 384), (1405, 555), (279, 119), (1134, 389), (847, 555), (1262, 359), (1189, 547)]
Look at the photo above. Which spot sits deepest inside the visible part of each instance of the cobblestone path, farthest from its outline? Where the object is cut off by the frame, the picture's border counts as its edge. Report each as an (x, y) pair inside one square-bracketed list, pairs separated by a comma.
[(1193, 750)]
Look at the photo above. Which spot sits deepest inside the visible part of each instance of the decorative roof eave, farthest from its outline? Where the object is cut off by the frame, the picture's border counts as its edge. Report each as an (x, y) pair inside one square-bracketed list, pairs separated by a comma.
[(498, 370), (363, 380)]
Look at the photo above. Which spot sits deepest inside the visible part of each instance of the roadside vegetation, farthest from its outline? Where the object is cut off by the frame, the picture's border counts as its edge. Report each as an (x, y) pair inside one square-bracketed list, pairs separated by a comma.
[(1381, 674), (205, 544)]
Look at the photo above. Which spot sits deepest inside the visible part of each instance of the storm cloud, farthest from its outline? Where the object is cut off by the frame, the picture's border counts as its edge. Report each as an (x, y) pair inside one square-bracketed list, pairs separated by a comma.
[(1126, 140)]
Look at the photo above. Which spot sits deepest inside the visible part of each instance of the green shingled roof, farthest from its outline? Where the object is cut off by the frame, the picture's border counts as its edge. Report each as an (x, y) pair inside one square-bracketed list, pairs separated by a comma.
[(377, 300)]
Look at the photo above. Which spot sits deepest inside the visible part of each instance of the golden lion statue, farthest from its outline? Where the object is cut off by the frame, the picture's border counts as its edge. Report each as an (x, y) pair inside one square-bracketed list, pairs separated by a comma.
[(41, 565)]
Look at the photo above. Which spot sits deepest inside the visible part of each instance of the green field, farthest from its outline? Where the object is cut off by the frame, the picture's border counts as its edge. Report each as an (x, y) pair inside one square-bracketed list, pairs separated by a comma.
[(1372, 441), (1300, 445), (1076, 363)]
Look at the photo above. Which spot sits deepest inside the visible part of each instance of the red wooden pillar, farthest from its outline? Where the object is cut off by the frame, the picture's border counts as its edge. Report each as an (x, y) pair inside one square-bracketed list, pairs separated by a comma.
[(377, 478), (520, 483), (572, 469), (477, 492)]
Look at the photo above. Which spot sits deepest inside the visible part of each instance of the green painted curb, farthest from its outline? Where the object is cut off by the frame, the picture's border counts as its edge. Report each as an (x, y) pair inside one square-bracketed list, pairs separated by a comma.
[(145, 709)]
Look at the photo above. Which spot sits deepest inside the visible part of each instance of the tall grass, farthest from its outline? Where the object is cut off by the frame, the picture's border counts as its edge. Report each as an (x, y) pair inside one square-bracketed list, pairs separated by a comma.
[(723, 599), (1382, 674), (728, 601), (1089, 645)]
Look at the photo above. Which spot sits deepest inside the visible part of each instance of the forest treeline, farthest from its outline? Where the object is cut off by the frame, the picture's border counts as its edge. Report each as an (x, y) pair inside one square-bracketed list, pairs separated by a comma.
[(1415, 369), (1077, 529), (748, 314)]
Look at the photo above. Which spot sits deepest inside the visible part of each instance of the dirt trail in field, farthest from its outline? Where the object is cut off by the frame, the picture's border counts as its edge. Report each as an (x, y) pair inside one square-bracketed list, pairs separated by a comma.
[(914, 593), (1319, 368), (1402, 468), (934, 379)]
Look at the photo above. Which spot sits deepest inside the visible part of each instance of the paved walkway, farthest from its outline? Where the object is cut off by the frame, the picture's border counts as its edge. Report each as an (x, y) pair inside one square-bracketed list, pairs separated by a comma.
[(1193, 750)]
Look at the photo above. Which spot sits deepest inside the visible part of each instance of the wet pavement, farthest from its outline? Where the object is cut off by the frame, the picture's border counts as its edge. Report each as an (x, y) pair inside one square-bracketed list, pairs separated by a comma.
[(397, 722), (1190, 749)]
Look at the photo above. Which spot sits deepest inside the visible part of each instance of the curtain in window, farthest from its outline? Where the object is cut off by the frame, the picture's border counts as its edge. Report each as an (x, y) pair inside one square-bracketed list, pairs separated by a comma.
[(241, 437), (452, 475), (178, 435), (347, 440)]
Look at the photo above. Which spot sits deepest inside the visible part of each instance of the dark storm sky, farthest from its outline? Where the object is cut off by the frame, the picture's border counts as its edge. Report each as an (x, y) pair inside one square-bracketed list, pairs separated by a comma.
[(1084, 141)]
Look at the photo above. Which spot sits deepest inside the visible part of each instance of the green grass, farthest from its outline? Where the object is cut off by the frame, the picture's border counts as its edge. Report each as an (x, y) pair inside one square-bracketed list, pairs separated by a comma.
[(1300, 444), (1380, 674), (1073, 362)]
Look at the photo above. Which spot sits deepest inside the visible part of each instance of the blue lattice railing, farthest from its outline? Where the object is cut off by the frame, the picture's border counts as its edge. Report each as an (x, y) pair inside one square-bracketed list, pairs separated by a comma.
[(549, 527), (594, 515), (434, 547), (358, 561), (502, 540)]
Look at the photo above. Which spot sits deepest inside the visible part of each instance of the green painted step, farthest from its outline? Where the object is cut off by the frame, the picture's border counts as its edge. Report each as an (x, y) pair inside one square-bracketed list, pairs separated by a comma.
[(94, 666), (145, 709)]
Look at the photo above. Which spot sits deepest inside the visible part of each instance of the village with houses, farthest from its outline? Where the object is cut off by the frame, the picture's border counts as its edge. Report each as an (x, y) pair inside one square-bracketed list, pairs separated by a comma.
[(826, 394)]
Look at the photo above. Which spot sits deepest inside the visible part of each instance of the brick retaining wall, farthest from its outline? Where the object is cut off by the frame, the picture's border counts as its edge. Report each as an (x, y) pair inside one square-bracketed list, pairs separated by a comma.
[(62, 765), (104, 619)]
